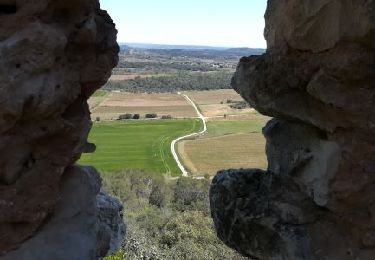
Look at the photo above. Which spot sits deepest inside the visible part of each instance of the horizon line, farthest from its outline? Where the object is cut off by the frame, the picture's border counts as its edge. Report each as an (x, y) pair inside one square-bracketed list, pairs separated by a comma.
[(192, 45)]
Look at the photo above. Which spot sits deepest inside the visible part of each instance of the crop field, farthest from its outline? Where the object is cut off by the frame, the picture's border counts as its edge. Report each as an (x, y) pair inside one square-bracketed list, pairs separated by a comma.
[(208, 97), (228, 144), (97, 98), (208, 155), (137, 145), (233, 141), (220, 128), (117, 103), (213, 104), (128, 76)]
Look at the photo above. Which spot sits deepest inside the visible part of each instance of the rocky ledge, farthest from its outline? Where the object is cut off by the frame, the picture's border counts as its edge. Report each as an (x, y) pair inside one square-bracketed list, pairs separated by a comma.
[(317, 79), (54, 55)]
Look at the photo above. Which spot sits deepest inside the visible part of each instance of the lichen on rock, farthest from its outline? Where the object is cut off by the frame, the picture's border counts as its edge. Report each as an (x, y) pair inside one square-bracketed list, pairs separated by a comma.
[(317, 79), (53, 56)]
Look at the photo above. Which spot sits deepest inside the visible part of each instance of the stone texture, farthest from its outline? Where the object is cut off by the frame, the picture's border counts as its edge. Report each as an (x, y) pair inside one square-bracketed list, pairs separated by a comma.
[(262, 215), (111, 231), (317, 79), (78, 224), (54, 55), (318, 25)]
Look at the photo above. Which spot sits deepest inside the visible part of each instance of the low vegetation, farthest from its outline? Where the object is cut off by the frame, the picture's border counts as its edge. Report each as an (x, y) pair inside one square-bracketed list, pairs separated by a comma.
[(220, 128), (100, 93), (239, 105), (181, 81), (151, 116), (165, 219), (125, 116), (137, 145)]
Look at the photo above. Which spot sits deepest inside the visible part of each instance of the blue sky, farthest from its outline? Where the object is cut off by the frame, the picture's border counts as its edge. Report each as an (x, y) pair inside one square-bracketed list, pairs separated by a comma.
[(228, 23)]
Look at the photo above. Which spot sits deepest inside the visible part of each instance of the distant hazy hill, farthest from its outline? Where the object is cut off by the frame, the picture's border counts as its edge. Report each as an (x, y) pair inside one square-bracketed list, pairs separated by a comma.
[(150, 46), (175, 67), (194, 51), (168, 47), (244, 51), (209, 53)]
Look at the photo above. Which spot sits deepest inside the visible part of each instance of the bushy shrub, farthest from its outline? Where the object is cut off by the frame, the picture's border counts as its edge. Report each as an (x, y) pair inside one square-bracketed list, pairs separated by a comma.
[(151, 115), (136, 116), (239, 105), (166, 117), (125, 117)]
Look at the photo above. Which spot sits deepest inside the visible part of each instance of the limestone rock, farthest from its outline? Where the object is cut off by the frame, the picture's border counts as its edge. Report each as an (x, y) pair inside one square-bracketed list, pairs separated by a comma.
[(317, 79), (258, 214), (318, 25), (53, 56), (75, 228), (111, 231)]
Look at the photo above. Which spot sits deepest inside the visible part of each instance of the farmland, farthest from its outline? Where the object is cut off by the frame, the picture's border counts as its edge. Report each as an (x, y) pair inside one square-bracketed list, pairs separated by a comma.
[(137, 145), (228, 144), (97, 98), (233, 141), (169, 217), (214, 105), (117, 103), (221, 128), (169, 70)]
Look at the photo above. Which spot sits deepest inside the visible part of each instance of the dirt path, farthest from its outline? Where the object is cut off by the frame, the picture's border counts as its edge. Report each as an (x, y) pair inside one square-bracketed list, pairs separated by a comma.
[(173, 144)]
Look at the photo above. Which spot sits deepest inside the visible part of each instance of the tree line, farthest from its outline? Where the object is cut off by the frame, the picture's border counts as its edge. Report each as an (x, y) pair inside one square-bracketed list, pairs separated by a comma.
[(182, 81), (165, 66)]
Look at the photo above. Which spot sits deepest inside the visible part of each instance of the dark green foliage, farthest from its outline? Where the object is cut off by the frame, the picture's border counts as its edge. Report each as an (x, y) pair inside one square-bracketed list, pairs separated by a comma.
[(181, 81), (150, 116), (166, 117), (160, 66), (136, 116), (158, 196), (125, 116), (166, 219), (191, 194), (239, 105)]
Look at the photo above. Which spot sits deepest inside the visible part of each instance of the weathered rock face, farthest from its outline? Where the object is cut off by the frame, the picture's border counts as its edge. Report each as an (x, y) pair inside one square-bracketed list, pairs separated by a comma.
[(84, 225), (111, 231), (53, 56), (317, 79)]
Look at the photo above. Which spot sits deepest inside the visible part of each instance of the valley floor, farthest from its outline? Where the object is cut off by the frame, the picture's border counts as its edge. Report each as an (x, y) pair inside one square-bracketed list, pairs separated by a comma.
[(233, 139)]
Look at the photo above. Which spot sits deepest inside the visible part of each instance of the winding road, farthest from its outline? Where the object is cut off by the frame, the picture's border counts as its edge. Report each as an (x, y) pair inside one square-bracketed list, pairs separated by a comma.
[(173, 144)]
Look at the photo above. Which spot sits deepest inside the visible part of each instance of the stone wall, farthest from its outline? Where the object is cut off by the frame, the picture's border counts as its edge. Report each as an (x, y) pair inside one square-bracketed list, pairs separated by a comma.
[(53, 56), (317, 79)]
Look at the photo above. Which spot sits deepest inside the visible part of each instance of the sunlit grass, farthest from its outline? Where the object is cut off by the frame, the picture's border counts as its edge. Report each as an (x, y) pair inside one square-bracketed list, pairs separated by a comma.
[(137, 145)]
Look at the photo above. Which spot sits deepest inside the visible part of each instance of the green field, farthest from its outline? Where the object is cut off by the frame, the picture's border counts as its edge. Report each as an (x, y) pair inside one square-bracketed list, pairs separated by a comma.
[(100, 93), (219, 128), (137, 145)]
